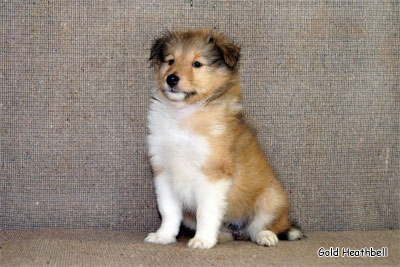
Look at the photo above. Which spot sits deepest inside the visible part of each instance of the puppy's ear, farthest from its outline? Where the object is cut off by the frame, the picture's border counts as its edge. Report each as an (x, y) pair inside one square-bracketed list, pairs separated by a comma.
[(229, 51), (157, 49)]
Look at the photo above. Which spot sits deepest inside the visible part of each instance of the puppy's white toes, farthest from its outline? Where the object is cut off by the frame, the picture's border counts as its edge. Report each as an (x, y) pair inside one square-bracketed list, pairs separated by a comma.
[(267, 238), (159, 239), (199, 243)]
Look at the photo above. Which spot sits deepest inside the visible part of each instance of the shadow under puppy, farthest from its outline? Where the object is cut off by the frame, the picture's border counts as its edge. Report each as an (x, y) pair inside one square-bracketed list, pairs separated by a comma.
[(210, 173)]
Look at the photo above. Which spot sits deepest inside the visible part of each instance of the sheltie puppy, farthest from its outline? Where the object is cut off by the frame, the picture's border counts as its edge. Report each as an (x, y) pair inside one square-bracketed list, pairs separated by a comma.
[(210, 174)]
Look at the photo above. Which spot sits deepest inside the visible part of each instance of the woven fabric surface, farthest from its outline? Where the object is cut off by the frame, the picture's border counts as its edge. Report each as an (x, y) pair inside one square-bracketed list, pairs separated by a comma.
[(320, 87), (121, 248)]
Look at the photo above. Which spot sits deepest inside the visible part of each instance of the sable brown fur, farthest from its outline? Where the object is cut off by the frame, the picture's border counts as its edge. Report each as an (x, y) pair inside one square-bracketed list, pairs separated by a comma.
[(235, 154)]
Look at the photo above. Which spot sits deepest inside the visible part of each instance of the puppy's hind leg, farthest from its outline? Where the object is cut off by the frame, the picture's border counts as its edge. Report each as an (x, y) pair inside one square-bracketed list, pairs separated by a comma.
[(259, 232), (270, 218)]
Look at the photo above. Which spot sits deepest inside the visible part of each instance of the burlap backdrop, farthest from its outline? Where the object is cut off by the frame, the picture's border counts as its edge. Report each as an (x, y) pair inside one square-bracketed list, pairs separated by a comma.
[(320, 86)]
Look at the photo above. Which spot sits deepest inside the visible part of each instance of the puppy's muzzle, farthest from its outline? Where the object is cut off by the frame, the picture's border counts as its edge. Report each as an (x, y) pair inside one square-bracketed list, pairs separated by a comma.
[(172, 80)]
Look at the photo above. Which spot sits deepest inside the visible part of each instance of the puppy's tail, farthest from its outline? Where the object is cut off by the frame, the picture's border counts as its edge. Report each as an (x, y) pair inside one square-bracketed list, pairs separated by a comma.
[(292, 233)]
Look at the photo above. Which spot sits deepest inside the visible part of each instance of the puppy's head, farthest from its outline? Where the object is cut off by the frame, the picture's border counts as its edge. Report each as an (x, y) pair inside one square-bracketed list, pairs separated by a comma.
[(193, 65)]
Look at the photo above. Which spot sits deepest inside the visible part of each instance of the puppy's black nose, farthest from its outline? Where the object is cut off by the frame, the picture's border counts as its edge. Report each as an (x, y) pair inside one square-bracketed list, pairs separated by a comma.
[(172, 80)]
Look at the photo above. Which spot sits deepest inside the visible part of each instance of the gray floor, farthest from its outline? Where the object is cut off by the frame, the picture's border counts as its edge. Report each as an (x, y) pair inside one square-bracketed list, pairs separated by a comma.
[(109, 248)]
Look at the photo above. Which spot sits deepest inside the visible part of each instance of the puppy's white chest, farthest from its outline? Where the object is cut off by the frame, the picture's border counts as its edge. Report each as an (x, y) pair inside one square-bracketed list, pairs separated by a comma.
[(175, 148)]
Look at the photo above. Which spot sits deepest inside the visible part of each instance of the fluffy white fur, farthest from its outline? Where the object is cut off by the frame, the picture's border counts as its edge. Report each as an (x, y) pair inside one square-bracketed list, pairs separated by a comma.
[(181, 154), (257, 232), (294, 234)]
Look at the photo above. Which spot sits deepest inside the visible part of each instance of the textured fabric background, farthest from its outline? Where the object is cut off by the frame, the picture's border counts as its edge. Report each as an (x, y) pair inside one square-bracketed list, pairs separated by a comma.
[(51, 247), (320, 86)]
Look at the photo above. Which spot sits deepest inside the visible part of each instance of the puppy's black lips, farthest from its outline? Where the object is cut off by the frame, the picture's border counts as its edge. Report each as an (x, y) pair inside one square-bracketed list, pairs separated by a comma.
[(173, 90), (189, 94)]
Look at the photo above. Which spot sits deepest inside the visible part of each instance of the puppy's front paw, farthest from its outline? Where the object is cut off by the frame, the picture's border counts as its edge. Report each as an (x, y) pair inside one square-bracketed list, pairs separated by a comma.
[(159, 239), (200, 243), (267, 238)]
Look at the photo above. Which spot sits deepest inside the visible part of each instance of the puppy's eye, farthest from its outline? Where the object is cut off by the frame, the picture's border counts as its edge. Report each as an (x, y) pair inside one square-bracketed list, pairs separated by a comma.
[(171, 61), (197, 64)]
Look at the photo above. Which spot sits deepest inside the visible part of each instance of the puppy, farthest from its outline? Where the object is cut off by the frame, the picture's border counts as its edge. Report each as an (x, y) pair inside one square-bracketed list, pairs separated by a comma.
[(210, 174)]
